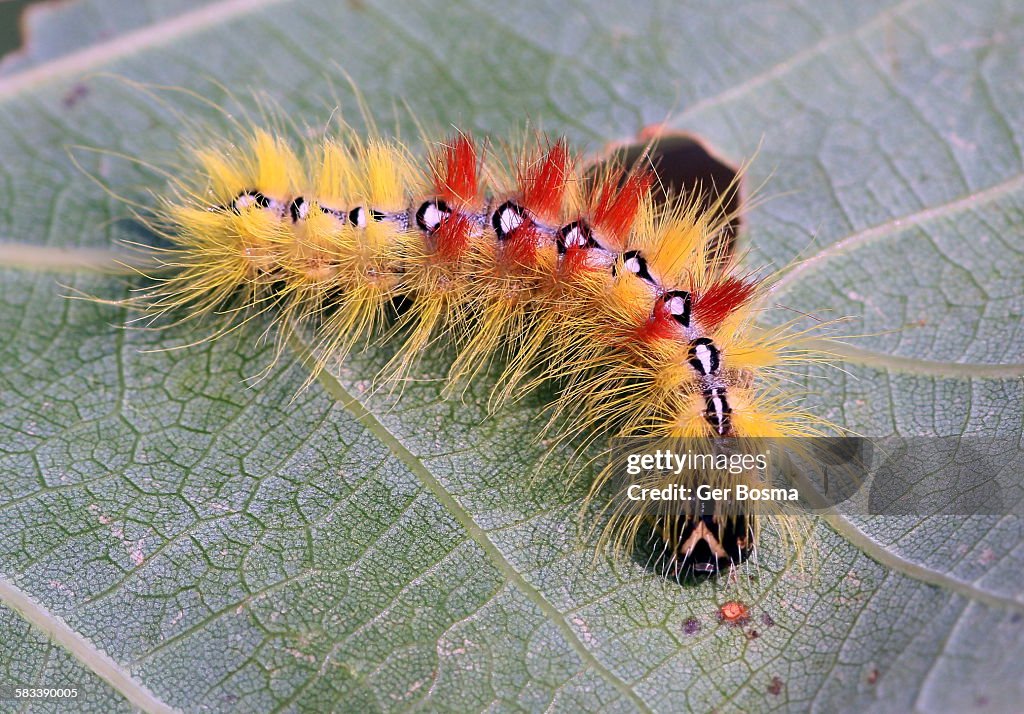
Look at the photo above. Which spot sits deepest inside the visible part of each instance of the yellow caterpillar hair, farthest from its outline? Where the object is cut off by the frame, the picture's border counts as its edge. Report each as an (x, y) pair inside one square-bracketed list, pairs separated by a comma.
[(635, 310)]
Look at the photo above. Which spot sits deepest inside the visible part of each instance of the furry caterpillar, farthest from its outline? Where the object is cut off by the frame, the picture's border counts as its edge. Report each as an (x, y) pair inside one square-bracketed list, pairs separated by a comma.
[(643, 319)]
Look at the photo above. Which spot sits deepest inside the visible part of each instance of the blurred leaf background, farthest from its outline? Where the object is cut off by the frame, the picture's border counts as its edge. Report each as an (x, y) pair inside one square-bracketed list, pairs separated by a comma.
[(176, 536)]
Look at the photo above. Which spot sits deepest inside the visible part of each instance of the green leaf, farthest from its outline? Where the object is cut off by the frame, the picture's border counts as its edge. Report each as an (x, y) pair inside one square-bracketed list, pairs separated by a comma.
[(27, 658), (190, 538)]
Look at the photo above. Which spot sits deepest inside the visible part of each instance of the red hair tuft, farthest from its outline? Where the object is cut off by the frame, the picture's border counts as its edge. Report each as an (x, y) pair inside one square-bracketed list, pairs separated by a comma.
[(455, 173), (714, 304), (520, 246), (544, 187), (615, 208), (452, 237)]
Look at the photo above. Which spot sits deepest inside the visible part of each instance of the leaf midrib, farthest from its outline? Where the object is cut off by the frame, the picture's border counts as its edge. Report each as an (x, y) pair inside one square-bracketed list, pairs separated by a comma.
[(896, 226), (780, 68), (151, 35), (366, 418), (922, 573), (220, 12), (94, 659)]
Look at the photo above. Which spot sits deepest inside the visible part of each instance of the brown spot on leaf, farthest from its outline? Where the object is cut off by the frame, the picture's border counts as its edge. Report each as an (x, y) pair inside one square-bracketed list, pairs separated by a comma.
[(76, 93)]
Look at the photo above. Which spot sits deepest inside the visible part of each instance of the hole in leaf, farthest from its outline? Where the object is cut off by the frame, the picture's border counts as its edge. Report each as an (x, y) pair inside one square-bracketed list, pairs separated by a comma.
[(684, 165)]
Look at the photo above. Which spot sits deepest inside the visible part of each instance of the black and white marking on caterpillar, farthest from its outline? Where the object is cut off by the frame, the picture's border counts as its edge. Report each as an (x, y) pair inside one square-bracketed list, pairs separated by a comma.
[(248, 199), (299, 209), (704, 357), (357, 217), (717, 410), (507, 218), (430, 215), (699, 544), (678, 304), (634, 262), (575, 235)]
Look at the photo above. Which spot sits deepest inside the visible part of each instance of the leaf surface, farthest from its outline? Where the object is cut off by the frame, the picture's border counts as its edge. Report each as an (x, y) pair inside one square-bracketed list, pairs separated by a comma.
[(224, 545)]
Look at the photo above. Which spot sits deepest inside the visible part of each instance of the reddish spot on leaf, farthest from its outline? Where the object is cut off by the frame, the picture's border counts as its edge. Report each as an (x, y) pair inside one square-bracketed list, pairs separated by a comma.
[(734, 612)]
